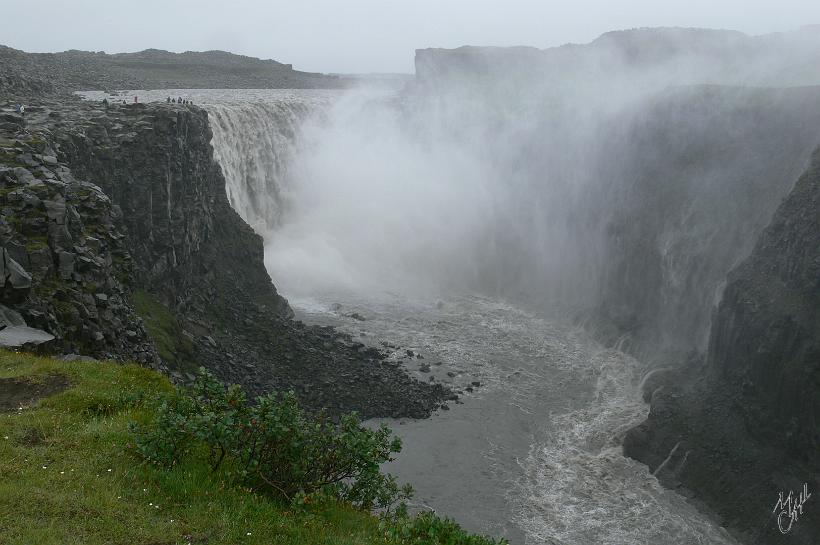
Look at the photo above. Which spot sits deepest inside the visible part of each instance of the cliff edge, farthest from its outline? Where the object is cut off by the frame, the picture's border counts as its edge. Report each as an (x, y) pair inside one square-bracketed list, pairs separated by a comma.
[(142, 257)]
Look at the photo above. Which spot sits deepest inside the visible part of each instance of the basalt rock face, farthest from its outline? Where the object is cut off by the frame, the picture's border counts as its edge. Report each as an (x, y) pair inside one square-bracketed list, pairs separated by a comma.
[(156, 163), (747, 426), (65, 266), (766, 334), (152, 238)]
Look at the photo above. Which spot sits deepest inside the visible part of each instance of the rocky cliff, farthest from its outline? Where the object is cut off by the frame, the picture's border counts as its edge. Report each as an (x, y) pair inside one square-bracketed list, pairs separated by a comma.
[(154, 256), (747, 426), (66, 269)]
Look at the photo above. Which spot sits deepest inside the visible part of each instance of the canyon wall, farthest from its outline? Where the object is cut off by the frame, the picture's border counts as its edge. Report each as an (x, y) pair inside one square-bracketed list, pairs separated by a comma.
[(629, 201), (706, 168), (747, 425), (706, 250)]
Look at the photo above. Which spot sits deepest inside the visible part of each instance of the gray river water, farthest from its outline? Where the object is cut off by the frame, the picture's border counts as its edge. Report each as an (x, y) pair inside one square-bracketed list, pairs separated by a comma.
[(533, 453)]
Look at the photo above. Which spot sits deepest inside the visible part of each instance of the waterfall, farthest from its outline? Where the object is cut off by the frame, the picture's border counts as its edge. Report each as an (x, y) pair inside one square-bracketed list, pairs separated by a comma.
[(630, 213), (254, 143)]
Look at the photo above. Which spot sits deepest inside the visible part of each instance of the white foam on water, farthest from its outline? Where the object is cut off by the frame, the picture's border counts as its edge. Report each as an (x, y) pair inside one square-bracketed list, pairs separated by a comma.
[(578, 488), (573, 486)]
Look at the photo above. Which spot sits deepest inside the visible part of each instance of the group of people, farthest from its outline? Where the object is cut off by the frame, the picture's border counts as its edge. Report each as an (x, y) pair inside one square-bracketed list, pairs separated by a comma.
[(106, 103), (179, 100)]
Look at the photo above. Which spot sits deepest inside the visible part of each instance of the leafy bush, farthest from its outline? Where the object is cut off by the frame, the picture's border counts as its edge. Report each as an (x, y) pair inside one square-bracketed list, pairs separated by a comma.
[(273, 446), (428, 528)]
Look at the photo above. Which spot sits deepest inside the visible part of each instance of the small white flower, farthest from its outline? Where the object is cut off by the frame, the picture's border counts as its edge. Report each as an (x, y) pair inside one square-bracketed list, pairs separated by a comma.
[(248, 533), (62, 473), (109, 471)]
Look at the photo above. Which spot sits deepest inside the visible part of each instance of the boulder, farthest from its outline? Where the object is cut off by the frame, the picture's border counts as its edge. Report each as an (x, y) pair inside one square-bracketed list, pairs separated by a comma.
[(15, 281), (21, 335), (23, 175), (76, 357)]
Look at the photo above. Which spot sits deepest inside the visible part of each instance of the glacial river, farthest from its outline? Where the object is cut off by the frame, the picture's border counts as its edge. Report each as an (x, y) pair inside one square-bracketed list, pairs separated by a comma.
[(533, 453)]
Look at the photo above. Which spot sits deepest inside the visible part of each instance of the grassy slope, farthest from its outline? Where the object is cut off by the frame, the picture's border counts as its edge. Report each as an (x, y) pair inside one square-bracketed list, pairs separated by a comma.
[(67, 476), (172, 344)]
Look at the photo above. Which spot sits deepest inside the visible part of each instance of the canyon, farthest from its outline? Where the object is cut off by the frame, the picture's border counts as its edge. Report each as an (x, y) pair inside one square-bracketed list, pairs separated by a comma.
[(610, 248)]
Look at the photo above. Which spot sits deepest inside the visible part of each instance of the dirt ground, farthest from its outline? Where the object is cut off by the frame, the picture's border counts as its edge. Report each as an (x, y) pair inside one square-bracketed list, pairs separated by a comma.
[(16, 393)]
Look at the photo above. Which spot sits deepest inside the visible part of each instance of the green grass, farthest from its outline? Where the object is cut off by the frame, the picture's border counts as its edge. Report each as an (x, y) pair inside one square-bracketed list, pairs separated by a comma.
[(68, 476), (172, 345)]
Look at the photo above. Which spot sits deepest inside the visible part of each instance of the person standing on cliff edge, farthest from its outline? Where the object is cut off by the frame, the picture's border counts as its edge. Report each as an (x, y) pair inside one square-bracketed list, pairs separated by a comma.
[(135, 99)]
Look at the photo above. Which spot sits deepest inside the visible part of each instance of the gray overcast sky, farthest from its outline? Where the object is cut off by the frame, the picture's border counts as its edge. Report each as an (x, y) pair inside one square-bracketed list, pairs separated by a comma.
[(366, 35)]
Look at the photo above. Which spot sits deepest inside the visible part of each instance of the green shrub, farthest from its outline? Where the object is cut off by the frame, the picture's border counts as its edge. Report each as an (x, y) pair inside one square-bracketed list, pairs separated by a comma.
[(273, 446), (428, 528)]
